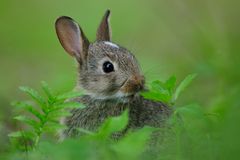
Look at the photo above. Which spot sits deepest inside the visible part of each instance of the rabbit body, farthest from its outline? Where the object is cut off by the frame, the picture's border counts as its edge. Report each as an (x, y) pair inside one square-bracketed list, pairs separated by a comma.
[(141, 112), (111, 78)]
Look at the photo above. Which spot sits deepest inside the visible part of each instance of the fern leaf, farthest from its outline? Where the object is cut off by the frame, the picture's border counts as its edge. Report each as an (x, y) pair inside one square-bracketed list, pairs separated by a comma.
[(34, 94)]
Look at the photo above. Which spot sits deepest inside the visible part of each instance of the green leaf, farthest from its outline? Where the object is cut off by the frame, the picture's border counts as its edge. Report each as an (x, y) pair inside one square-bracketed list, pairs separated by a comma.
[(158, 86), (191, 110), (28, 107), (160, 91), (113, 124), (182, 86), (156, 96), (21, 104), (68, 95), (28, 121), (48, 91), (34, 94), (193, 119), (15, 134), (68, 105), (170, 84), (134, 143), (19, 134), (36, 113), (82, 130)]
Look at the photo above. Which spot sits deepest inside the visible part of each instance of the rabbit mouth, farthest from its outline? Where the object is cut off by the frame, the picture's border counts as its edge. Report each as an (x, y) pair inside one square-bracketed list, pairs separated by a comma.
[(132, 86), (119, 96), (124, 96)]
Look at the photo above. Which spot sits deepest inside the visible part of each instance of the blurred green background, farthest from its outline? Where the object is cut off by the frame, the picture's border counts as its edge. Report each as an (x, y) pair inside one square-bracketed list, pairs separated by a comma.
[(169, 37)]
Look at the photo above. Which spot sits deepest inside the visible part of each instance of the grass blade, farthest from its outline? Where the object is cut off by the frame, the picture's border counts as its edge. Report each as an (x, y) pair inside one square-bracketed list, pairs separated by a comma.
[(182, 86)]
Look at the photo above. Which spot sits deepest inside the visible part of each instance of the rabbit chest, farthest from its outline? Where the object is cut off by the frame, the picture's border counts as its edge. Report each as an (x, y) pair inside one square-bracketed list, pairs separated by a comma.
[(141, 112)]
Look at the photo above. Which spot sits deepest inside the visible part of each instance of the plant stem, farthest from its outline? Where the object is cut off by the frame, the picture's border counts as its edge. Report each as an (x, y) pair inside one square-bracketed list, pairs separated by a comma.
[(36, 140)]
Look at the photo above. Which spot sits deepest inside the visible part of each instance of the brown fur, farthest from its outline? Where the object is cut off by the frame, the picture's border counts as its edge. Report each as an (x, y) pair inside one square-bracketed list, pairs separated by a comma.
[(141, 112)]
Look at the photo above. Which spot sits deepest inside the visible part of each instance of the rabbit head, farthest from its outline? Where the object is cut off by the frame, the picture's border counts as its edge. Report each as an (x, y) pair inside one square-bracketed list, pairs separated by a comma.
[(107, 70)]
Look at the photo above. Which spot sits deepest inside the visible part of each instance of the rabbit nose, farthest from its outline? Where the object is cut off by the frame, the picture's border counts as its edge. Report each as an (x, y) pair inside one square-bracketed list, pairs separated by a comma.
[(138, 82), (134, 84)]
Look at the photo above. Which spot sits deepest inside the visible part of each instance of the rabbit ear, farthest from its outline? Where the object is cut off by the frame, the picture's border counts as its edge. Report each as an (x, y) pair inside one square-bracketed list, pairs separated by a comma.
[(72, 38), (104, 29)]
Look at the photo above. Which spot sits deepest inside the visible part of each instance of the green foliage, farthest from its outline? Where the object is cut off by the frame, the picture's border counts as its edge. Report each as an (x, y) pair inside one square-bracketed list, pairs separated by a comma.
[(182, 86), (112, 125), (192, 133), (94, 147), (98, 145), (134, 144), (167, 91), (44, 114), (44, 119)]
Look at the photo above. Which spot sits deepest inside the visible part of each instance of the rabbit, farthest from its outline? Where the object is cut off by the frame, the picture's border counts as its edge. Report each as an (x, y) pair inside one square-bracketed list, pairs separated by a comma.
[(111, 79)]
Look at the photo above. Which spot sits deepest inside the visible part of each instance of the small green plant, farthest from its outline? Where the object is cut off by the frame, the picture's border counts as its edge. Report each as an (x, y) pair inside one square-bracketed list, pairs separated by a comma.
[(167, 91), (44, 114), (99, 144)]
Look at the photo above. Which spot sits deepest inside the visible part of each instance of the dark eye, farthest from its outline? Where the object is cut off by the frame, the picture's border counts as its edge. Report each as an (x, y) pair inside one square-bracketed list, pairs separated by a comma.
[(108, 67)]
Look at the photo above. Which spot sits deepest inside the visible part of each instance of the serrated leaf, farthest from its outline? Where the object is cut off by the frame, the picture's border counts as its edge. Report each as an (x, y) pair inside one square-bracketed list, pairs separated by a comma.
[(34, 94), (68, 95), (36, 113), (182, 86), (156, 96), (19, 134), (158, 86), (160, 91), (21, 104), (28, 107), (27, 120), (48, 91), (170, 84), (113, 124)]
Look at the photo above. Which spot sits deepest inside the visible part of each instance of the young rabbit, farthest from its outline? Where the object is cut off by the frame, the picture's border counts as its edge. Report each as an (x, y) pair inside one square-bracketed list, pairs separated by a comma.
[(111, 78)]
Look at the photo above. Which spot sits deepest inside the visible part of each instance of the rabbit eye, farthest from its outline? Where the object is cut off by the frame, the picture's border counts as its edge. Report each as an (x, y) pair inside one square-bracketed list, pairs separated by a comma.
[(108, 67)]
